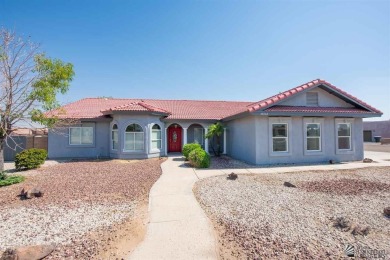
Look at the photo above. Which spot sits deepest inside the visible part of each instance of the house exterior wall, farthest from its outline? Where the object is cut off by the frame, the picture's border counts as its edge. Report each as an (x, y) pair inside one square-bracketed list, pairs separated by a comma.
[(325, 99), (59, 147), (249, 139), (241, 134)]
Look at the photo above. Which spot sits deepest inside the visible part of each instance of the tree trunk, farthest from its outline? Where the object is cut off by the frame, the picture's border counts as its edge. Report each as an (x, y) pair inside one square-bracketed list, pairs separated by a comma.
[(1, 154)]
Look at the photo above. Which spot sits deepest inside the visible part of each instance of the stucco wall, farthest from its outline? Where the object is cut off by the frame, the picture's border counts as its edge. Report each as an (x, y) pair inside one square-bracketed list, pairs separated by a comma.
[(378, 128), (241, 139), (59, 147), (249, 140), (324, 100)]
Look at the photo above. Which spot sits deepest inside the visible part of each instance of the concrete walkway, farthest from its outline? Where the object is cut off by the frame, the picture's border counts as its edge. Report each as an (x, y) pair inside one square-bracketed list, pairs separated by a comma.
[(178, 227)]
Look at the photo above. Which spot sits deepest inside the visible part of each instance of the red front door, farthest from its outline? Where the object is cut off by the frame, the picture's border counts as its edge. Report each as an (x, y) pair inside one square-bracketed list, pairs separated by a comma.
[(174, 138)]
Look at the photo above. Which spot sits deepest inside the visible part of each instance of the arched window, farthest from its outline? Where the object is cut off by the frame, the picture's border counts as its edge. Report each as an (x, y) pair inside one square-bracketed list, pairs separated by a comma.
[(156, 137), (134, 138), (114, 137)]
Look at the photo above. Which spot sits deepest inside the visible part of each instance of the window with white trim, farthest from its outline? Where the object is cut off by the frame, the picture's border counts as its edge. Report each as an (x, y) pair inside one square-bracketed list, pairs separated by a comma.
[(313, 136), (81, 135), (280, 137), (156, 137), (198, 136), (344, 136), (114, 137), (134, 138)]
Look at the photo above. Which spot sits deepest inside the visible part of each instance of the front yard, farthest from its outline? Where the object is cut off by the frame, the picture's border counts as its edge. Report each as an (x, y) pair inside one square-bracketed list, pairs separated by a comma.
[(88, 210), (257, 217)]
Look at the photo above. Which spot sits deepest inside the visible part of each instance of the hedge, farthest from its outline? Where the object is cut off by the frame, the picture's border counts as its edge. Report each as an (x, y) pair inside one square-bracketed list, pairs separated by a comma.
[(30, 158), (199, 158), (187, 148)]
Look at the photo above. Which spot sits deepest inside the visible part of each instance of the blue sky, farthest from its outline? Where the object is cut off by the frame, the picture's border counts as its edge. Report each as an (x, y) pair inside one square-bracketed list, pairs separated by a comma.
[(218, 50)]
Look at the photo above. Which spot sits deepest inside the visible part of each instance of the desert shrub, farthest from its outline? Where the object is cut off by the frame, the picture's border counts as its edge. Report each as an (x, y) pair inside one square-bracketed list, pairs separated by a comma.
[(3, 175), (9, 180), (342, 223), (187, 148), (199, 158), (30, 158)]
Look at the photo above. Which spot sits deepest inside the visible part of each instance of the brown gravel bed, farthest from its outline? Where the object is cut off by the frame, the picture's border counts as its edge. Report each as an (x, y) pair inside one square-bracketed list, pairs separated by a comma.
[(256, 217), (98, 195)]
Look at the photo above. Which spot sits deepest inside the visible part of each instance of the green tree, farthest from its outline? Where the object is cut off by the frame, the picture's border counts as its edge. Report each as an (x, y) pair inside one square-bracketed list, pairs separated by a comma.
[(214, 133), (29, 84)]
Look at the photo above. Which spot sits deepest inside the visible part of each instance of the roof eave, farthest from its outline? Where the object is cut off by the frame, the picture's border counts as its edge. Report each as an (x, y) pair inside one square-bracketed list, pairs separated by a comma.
[(321, 114)]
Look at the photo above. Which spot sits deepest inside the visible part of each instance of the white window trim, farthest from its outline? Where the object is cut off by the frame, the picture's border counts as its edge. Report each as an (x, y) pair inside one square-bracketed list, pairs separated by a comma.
[(202, 131), (313, 120), (112, 139), (349, 121), (81, 144), (151, 139), (143, 138), (280, 120)]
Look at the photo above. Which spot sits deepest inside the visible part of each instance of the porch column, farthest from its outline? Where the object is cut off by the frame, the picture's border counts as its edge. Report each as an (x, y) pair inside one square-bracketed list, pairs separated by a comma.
[(224, 140), (184, 136), (166, 142), (206, 141)]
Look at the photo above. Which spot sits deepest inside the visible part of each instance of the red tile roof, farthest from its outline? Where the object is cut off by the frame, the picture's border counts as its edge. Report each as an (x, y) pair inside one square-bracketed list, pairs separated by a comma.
[(302, 109), (196, 109), (281, 96)]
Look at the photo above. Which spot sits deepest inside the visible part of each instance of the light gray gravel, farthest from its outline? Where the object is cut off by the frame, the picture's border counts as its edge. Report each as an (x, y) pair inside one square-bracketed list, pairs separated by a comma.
[(56, 224), (257, 217)]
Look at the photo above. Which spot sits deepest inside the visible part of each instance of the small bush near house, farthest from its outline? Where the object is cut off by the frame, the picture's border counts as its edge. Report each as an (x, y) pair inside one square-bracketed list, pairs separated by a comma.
[(187, 148), (199, 158), (6, 180), (30, 158)]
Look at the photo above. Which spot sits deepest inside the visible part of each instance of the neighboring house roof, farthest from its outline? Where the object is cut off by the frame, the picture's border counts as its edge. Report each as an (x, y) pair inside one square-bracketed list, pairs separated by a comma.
[(89, 108)]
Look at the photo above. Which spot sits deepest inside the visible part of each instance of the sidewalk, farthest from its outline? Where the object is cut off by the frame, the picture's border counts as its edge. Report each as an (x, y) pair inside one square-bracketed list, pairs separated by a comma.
[(178, 228)]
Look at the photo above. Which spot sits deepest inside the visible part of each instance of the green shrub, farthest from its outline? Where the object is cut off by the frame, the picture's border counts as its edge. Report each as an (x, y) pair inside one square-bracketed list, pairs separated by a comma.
[(30, 158), (199, 158), (9, 180), (187, 148), (3, 175)]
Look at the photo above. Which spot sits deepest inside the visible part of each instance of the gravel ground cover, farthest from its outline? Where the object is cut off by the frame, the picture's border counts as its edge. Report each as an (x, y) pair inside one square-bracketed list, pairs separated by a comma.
[(257, 217), (80, 198), (377, 147)]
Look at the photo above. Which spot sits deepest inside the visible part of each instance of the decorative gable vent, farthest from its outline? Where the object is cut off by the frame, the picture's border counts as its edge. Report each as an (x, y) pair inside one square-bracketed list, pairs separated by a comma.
[(312, 99)]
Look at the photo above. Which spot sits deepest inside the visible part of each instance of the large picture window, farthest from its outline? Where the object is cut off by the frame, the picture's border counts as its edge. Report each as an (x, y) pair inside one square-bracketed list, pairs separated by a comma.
[(313, 137), (198, 136), (344, 136), (134, 138), (156, 137), (81, 135), (114, 137), (280, 137)]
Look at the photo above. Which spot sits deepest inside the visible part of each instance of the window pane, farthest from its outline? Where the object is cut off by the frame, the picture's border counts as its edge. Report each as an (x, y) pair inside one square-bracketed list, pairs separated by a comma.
[(156, 144), (344, 143), (129, 141), (75, 135), (344, 129), (114, 139), (115, 126), (156, 127), (279, 144), (198, 135), (313, 144), (279, 130), (134, 128), (139, 141), (313, 130), (156, 134), (87, 135)]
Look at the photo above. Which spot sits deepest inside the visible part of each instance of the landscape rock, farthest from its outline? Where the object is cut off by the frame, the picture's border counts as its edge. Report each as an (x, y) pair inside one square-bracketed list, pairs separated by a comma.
[(386, 211), (367, 160), (289, 184), (28, 193), (28, 252), (232, 176)]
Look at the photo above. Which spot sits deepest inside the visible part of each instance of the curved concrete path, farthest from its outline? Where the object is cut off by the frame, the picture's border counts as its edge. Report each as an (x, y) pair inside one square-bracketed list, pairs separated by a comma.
[(178, 228)]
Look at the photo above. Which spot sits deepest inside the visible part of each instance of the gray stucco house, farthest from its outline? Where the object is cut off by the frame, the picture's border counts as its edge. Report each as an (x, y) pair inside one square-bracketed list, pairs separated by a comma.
[(314, 122)]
